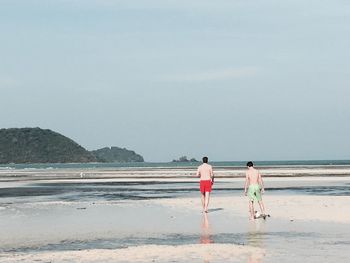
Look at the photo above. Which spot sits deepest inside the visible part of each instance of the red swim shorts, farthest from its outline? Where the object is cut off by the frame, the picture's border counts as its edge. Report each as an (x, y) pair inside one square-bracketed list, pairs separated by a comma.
[(205, 186)]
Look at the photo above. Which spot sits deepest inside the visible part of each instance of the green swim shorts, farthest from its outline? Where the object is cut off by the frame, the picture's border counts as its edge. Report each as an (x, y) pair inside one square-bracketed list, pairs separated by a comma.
[(254, 193)]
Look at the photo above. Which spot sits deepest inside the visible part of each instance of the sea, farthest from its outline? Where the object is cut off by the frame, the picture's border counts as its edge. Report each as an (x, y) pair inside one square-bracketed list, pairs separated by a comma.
[(171, 164)]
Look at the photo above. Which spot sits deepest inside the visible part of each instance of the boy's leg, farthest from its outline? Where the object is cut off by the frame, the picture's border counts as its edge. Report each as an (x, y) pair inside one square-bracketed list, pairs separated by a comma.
[(251, 210), (207, 195), (262, 207)]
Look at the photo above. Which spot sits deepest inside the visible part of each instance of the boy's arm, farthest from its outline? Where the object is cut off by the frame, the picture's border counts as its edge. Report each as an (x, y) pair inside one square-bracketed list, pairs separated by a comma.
[(246, 183), (261, 183)]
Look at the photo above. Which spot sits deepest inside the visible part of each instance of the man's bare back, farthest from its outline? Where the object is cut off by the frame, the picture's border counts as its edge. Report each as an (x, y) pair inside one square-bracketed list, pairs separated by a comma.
[(206, 175), (205, 172)]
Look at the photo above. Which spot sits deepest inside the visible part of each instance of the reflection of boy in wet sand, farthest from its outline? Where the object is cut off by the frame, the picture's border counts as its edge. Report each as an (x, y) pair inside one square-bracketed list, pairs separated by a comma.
[(255, 186), (255, 238), (205, 172)]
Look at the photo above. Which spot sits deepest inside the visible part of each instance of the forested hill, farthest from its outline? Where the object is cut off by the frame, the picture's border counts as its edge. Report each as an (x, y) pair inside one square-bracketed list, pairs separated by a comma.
[(36, 145), (116, 154)]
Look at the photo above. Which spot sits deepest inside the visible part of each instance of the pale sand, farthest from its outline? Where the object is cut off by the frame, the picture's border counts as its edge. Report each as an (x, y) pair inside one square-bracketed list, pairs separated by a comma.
[(149, 253), (291, 207)]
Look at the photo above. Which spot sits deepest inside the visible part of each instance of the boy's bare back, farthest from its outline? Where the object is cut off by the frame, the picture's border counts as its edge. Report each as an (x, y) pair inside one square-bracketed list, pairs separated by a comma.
[(253, 176)]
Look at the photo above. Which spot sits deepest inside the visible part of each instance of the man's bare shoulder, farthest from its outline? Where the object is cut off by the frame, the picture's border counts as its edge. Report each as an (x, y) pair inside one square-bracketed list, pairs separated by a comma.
[(205, 166), (200, 167)]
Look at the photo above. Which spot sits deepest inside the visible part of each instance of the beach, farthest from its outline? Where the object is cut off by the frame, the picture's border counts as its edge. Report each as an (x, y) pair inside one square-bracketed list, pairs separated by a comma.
[(154, 215)]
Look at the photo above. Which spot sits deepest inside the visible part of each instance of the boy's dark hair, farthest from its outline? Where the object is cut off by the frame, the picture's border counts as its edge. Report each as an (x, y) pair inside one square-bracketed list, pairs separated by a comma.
[(205, 159), (250, 164)]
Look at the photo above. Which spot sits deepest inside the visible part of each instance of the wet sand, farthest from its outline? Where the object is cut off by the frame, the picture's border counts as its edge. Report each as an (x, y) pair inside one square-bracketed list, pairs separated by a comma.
[(87, 220)]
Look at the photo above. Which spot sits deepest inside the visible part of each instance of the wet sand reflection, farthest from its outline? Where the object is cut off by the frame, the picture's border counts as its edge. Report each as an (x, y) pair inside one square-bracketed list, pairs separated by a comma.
[(206, 236), (256, 231)]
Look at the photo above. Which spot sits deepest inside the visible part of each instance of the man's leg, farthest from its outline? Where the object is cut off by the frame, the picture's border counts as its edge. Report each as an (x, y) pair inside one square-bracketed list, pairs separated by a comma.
[(207, 195), (262, 207), (203, 200), (251, 210)]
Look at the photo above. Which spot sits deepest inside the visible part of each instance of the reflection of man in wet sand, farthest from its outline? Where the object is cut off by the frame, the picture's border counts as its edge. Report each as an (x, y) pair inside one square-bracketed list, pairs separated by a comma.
[(205, 173), (255, 186), (205, 235)]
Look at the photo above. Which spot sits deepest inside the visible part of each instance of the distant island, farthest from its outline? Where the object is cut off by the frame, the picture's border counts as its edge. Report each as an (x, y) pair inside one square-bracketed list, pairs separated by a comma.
[(36, 145), (183, 159), (116, 154)]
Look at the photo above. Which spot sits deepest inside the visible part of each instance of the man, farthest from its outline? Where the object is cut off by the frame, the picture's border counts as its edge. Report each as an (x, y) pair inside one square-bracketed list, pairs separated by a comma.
[(255, 186), (205, 173)]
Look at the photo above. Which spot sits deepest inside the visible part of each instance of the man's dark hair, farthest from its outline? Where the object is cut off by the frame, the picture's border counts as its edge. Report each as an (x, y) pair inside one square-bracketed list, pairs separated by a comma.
[(205, 159), (250, 164)]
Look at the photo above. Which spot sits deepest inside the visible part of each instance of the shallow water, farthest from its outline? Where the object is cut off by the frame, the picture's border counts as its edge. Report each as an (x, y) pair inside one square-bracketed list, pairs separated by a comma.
[(131, 190)]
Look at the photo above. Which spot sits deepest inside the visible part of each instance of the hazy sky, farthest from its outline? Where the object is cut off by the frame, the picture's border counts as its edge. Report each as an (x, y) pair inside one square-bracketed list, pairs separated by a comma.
[(234, 80)]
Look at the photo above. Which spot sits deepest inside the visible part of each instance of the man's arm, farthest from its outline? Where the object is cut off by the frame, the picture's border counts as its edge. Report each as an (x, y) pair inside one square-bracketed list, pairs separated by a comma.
[(212, 175), (198, 174), (261, 183)]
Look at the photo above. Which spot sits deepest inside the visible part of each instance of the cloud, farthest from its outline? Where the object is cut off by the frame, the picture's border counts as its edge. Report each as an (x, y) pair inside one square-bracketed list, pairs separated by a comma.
[(8, 82), (214, 75)]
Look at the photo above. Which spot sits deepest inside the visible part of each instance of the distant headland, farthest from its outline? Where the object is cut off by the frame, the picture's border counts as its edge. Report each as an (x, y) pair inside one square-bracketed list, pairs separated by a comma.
[(36, 145)]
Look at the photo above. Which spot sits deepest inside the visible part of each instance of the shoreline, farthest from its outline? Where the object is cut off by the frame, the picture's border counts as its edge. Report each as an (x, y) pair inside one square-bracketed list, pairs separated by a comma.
[(168, 173)]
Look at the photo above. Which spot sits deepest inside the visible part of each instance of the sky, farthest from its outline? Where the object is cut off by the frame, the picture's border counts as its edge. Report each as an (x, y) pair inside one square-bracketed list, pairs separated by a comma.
[(231, 79)]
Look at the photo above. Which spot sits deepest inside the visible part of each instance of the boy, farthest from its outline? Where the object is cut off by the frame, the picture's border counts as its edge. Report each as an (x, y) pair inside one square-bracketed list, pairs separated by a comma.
[(255, 185), (206, 175)]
